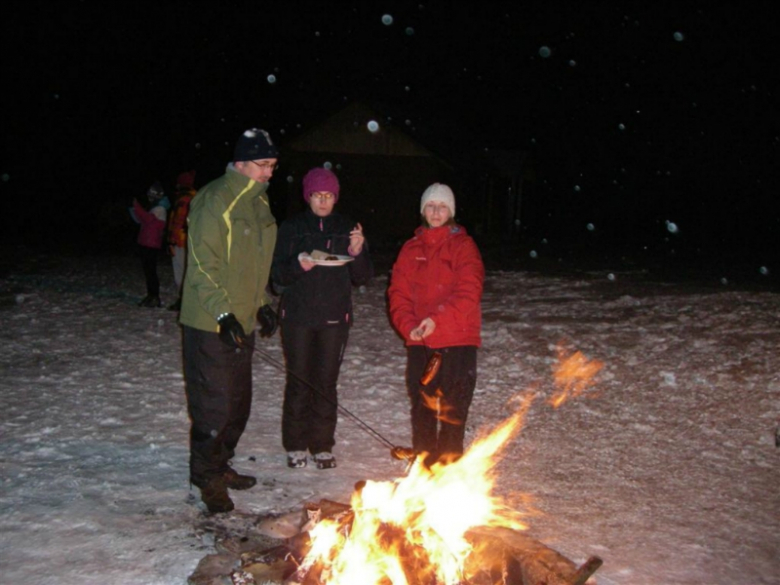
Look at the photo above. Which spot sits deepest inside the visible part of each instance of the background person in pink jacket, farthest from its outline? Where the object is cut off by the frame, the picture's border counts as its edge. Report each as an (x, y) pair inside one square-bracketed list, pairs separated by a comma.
[(434, 296), (151, 215)]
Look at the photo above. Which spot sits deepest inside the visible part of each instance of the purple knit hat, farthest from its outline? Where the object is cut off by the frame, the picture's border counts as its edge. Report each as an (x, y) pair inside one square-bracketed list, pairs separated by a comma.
[(320, 179)]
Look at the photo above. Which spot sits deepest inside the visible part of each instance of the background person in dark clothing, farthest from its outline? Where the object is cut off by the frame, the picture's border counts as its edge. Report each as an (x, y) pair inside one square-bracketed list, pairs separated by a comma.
[(177, 231), (316, 314)]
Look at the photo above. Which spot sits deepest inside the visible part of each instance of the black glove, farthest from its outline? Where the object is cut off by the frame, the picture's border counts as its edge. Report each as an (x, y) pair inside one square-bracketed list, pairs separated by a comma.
[(230, 331), (268, 321)]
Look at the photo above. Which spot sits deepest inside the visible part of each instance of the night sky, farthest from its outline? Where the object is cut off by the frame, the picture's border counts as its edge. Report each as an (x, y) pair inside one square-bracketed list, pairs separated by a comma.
[(649, 125)]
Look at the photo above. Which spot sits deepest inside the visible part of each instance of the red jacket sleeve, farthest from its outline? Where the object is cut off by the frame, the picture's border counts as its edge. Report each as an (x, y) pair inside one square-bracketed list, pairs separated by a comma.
[(400, 298)]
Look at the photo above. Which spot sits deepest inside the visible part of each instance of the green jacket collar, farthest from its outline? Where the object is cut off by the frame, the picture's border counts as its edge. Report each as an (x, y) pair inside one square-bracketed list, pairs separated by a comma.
[(240, 184)]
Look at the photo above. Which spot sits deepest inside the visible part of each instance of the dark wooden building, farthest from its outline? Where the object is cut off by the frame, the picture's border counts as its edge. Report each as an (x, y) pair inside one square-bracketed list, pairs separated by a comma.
[(383, 171)]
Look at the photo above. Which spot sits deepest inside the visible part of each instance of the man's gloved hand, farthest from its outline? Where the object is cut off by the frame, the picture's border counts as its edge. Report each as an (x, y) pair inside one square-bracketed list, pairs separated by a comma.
[(268, 321), (230, 331)]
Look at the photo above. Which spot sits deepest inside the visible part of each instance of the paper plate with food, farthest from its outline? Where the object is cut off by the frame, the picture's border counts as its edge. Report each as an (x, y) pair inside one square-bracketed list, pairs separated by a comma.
[(321, 258)]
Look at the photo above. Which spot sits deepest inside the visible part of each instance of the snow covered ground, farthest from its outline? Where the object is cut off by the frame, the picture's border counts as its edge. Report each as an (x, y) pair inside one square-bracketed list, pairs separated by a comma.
[(668, 470)]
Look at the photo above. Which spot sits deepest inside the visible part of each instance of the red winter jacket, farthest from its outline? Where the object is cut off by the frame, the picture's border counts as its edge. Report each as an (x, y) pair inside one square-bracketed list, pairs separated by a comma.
[(152, 223), (438, 274)]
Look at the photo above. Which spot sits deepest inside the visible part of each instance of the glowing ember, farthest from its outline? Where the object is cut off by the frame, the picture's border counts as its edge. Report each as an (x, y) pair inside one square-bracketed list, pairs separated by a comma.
[(573, 375)]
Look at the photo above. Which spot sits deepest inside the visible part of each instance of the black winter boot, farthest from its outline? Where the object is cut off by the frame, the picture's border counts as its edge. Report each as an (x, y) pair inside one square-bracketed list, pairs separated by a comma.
[(236, 481), (150, 301), (215, 495)]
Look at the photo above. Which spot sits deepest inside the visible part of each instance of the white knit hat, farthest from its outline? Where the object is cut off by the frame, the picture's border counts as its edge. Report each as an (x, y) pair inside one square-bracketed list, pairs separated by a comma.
[(439, 192)]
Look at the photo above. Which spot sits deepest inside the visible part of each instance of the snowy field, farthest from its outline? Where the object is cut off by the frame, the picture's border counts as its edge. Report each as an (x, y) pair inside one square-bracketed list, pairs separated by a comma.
[(668, 470)]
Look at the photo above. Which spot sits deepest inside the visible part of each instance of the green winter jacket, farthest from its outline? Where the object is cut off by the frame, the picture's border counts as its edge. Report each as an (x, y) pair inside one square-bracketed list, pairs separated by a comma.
[(231, 239)]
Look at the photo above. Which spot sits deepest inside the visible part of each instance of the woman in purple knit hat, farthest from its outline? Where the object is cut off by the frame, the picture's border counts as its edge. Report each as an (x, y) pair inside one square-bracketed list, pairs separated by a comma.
[(320, 254)]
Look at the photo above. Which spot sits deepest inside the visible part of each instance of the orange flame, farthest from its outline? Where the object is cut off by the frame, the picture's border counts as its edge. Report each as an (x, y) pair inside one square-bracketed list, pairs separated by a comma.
[(413, 529), (440, 406), (573, 375)]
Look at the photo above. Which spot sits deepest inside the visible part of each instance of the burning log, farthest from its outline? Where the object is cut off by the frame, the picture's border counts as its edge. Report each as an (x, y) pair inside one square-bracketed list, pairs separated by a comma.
[(272, 565), (537, 563), (501, 556)]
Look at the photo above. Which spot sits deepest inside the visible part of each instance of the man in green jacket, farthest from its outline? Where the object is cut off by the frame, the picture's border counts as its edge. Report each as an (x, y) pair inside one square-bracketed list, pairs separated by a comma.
[(231, 239)]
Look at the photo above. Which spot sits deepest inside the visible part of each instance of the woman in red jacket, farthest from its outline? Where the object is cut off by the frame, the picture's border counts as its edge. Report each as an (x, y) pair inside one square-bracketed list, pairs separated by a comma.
[(434, 296)]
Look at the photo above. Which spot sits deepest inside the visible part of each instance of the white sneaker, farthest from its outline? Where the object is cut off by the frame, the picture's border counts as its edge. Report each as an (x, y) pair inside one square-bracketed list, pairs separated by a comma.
[(324, 460), (296, 459)]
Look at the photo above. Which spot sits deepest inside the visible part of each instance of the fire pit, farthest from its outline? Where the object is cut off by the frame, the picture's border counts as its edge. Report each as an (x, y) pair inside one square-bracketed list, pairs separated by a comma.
[(439, 524), (500, 556)]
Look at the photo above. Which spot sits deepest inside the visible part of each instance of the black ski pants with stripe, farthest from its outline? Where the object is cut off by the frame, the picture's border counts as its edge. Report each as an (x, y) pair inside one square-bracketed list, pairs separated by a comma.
[(310, 410), (218, 382)]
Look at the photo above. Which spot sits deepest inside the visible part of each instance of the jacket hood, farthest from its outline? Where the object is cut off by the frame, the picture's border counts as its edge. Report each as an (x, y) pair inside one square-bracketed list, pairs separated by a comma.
[(439, 234)]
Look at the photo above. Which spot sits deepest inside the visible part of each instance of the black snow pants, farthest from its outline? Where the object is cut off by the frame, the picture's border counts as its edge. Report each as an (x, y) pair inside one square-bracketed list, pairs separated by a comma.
[(218, 382), (314, 354), (439, 424), (149, 265)]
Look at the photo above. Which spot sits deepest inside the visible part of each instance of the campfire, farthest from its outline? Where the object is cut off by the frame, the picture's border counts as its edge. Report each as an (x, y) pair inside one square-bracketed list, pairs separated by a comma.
[(437, 525), (417, 521)]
